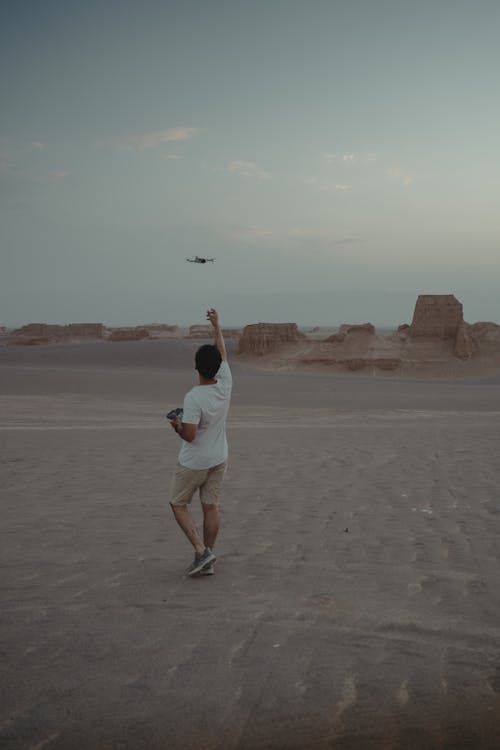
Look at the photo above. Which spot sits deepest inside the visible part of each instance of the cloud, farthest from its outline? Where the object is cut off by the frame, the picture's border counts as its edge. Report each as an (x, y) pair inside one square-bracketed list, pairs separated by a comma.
[(400, 175), (342, 157), (247, 169), (323, 187), (157, 138), (58, 174), (346, 240), (172, 157), (339, 188)]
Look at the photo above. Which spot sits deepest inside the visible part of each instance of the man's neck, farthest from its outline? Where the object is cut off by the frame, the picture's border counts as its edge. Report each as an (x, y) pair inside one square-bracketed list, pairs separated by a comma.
[(205, 381)]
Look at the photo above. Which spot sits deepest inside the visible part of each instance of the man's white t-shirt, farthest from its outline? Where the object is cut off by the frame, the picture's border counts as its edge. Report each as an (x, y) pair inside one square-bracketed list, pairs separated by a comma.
[(207, 406)]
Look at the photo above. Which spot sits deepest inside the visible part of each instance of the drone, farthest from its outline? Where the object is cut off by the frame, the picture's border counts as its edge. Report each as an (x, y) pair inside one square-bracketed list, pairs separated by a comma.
[(197, 259)]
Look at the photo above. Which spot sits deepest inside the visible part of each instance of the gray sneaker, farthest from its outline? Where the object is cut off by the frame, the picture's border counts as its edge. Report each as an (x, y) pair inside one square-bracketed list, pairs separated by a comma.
[(201, 561), (208, 570)]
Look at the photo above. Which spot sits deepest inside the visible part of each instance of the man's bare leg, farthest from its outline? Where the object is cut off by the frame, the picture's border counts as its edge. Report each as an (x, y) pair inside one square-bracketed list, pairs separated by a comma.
[(188, 525), (211, 523)]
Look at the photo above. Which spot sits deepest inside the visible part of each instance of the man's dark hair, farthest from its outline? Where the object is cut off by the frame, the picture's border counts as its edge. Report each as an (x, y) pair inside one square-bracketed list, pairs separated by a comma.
[(207, 361)]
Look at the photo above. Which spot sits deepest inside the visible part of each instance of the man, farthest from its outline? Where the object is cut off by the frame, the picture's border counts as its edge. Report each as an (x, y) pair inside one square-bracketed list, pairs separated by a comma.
[(203, 453)]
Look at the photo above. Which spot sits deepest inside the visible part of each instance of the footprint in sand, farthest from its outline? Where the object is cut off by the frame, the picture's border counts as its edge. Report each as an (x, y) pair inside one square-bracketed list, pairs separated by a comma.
[(414, 588), (322, 600), (349, 697)]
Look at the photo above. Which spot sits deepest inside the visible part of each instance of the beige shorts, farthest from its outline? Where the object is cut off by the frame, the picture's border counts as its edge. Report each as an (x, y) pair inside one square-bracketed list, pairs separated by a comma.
[(186, 481)]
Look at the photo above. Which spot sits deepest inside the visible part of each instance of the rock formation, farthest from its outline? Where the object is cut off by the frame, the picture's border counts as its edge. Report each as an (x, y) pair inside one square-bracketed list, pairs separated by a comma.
[(84, 330), (379, 363), (438, 342), (200, 332), (207, 332), (346, 329), (262, 338), (42, 333), (464, 345), (484, 332), (485, 338), (29, 340), (440, 316), (363, 328), (436, 316), (128, 334), (336, 338), (232, 333), (159, 328)]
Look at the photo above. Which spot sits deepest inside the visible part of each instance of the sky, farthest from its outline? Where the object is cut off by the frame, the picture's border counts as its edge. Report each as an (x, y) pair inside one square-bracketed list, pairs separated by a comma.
[(337, 158)]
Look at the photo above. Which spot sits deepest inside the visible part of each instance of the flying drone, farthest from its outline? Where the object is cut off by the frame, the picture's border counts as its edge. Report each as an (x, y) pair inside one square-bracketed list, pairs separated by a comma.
[(197, 259)]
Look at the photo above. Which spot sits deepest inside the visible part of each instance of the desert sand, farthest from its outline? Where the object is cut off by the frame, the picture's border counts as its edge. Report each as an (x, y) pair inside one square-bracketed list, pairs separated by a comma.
[(356, 597)]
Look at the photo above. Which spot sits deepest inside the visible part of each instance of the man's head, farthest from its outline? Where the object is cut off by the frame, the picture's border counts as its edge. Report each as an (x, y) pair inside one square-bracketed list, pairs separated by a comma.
[(207, 361)]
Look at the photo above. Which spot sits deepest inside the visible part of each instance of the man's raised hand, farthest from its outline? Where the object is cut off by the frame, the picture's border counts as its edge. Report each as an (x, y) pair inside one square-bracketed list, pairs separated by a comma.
[(213, 317)]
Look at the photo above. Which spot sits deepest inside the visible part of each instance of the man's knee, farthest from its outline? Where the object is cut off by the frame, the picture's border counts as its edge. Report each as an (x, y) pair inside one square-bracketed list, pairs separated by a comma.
[(209, 507)]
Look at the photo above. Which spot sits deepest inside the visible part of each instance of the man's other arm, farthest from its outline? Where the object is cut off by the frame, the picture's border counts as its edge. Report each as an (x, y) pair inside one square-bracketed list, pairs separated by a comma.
[(185, 430), (188, 429)]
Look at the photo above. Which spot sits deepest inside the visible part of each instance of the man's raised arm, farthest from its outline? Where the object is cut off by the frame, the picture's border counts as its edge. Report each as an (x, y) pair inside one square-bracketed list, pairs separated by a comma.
[(213, 317)]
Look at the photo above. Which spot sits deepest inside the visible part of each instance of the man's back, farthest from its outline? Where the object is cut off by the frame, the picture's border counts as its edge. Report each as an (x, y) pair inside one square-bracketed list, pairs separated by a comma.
[(207, 406)]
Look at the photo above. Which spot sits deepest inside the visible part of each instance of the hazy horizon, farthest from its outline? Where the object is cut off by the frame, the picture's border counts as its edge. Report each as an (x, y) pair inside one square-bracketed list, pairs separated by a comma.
[(350, 147), (328, 308)]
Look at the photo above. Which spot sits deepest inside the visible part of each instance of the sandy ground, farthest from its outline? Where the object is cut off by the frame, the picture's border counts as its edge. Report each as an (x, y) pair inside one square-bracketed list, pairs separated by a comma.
[(356, 600)]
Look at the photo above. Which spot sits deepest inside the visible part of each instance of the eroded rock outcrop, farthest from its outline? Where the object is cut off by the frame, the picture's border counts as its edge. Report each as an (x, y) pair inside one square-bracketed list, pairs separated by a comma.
[(464, 345), (483, 332), (379, 363), (367, 329), (200, 332), (128, 334), (263, 338), (43, 333), (207, 332), (352, 331), (438, 342), (232, 333), (336, 338), (436, 316), (485, 338), (440, 317), (29, 341), (36, 333), (84, 330), (156, 329)]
